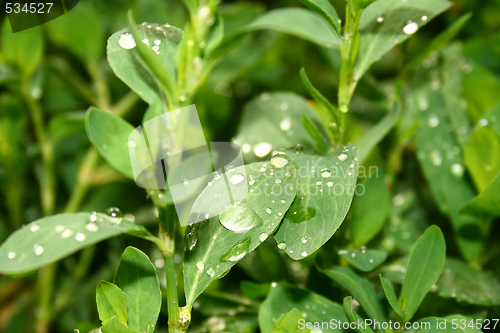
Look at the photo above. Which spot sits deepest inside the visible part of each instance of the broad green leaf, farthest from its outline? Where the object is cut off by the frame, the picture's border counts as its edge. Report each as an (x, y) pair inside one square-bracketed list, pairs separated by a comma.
[(315, 133), (360, 289), (326, 187), (109, 135), (111, 302), (440, 159), (425, 267), (86, 41), (283, 299), (287, 323), (253, 290), (452, 82), (391, 296), (450, 324), (298, 22), (487, 203), (469, 285), (55, 237), (369, 210), (114, 325), (480, 101), (326, 10), (23, 49), (438, 42), (215, 245), (383, 23), (272, 122), (127, 64), (482, 156), (364, 260), (136, 276), (378, 132)]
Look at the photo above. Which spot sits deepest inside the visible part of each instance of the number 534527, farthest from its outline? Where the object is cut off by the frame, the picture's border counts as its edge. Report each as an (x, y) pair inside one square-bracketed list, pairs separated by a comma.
[(34, 7)]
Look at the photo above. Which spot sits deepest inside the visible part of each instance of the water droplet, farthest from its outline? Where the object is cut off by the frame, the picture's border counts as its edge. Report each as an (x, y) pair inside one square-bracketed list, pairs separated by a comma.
[(457, 170), (268, 210), (262, 149), (282, 245), (325, 173), (211, 272), (11, 255), (200, 265), (410, 28), (433, 121), (304, 254), (114, 212), (92, 227), (67, 233), (277, 181), (380, 19), (343, 157), (319, 183), (304, 239), (238, 251), (274, 284), (284, 106), (263, 237), (279, 160), (240, 218), (155, 48), (34, 227), (370, 261), (344, 108), (329, 184), (435, 157), (93, 217), (145, 41), (237, 178), (286, 124), (59, 228), (183, 96), (283, 201), (80, 237), (217, 175), (424, 18), (38, 249), (483, 122), (126, 41)]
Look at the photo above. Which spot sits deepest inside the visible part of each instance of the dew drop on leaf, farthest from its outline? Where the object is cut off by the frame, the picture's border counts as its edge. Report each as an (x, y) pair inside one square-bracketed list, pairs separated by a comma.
[(34, 227), (11, 255), (114, 212), (457, 170), (263, 237), (240, 218), (67, 233), (38, 249), (410, 28), (237, 178), (238, 251), (285, 124), (211, 272), (80, 237), (262, 149), (279, 160), (325, 173), (200, 265), (343, 157), (282, 245), (380, 19), (126, 41)]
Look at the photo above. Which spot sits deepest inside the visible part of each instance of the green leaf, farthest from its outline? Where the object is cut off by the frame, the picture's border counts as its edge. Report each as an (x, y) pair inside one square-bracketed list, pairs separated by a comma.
[(55, 237), (217, 244), (439, 42), (315, 133), (114, 325), (298, 22), (272, 122), (109, 135), (283, 299), (364, 260), (425, 266), (369, 210), (378, 38), (23, 49), (136, 276), (440, 159), (85, 42), (128, 65), (111, 302), (326, 187), (326, 10), (482, 156), (487, 203), (287, 323), (378, 132), (328, 117), (360, 289), (391, 296), (347, 305), (253, 290), (469, 285)]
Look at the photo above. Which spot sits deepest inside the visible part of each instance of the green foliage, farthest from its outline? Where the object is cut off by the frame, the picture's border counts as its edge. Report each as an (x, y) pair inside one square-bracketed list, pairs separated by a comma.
[(350, 168)]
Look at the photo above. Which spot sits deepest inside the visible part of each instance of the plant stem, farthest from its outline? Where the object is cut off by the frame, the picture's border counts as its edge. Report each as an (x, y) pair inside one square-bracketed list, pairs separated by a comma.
[(348, 54), (168, 222)]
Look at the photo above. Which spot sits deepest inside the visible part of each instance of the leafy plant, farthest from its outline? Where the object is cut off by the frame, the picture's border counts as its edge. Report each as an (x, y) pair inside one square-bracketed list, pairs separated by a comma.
[(388, 177)]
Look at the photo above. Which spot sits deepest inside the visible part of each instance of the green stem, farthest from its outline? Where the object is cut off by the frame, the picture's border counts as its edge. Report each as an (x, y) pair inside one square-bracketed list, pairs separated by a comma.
[(348, 53), (168, 222)]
